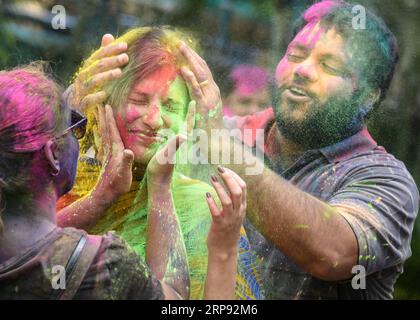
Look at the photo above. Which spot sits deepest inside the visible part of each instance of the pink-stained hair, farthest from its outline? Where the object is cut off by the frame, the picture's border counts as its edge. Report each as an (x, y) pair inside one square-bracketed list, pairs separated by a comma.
[(249, 79), (29, 104), (319, 10), (30, 114)]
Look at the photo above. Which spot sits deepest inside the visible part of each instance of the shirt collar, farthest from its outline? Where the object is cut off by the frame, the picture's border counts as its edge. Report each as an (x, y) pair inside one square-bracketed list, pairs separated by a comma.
[(343, 150)]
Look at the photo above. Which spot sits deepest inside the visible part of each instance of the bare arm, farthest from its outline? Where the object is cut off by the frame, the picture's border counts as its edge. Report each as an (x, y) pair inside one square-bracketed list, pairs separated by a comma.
[(223, 236), (115, 178)]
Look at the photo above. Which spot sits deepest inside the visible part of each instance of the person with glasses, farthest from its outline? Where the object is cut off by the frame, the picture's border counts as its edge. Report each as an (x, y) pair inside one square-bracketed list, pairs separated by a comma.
[(38, 259)]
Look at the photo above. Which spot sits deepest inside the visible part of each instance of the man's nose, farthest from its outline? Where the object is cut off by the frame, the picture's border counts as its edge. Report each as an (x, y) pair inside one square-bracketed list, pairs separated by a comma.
[(153, 117), (306, 71)]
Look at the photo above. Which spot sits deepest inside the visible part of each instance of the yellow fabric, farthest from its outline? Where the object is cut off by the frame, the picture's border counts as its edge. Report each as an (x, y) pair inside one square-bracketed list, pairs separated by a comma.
[(128, 217)]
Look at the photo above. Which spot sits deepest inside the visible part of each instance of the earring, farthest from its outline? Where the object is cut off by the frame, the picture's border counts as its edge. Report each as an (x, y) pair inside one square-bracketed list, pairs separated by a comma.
[(55, 172)]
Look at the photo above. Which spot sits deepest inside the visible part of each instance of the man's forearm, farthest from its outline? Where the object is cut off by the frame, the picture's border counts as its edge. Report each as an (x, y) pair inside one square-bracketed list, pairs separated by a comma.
[(312, 233)]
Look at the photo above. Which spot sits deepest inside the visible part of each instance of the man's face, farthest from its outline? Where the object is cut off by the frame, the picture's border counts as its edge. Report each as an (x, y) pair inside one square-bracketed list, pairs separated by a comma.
[(155, 106), (316, 98)]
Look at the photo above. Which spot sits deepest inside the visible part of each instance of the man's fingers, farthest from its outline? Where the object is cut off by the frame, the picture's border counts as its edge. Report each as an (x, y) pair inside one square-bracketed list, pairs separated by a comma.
[(232, 186), (197, 64), (103, 65), (110, 50), (107, 39), (193, 85), (110, 63)]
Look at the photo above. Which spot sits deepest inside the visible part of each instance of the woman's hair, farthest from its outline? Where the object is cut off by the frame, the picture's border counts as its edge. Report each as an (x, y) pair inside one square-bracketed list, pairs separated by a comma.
[(149, 49), (30, 114)]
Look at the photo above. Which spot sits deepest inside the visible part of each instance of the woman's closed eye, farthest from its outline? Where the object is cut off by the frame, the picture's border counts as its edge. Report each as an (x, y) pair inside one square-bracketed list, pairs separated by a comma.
[(138, 102)]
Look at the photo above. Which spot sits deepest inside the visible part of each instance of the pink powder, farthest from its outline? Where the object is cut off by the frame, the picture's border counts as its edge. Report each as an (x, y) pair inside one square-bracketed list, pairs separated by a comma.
[(249, 79)]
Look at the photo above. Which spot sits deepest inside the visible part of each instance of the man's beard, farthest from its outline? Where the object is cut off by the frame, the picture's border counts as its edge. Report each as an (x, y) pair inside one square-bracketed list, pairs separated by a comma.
[(325, 124)]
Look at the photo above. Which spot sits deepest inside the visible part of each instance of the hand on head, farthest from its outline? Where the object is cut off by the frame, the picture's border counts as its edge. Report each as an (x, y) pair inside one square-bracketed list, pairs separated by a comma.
[(117, 161), (203, 89), (101, 68)]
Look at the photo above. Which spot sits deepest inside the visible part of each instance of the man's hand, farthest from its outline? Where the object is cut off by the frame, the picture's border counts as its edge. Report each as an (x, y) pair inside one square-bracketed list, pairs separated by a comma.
[(202, 88), (102, 67), (116, 176)]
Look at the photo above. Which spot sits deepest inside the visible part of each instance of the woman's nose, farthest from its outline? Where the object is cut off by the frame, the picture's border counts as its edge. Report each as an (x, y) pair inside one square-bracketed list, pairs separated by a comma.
[(153, 117)]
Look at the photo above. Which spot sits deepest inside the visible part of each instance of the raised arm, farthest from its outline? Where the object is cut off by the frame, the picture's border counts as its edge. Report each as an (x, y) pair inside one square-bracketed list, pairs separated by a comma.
[(165, 249), (115, 178)]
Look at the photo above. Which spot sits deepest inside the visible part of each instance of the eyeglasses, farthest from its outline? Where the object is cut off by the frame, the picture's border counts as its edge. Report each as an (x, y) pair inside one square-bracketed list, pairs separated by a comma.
[(78, 125)]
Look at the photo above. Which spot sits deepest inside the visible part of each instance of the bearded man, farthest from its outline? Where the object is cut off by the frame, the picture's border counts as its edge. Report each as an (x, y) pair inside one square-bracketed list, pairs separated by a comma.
[(332, 214)]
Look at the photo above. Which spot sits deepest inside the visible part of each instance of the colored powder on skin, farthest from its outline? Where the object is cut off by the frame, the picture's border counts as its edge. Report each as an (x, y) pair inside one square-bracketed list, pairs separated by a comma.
[(128, 215)]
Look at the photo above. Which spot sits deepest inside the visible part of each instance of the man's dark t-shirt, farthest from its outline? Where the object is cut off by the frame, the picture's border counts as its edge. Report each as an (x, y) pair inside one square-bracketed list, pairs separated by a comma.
[(354, 173), (116, 271)]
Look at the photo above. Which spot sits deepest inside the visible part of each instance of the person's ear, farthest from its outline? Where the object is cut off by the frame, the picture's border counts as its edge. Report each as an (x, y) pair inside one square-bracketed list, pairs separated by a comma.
[(51, 154)]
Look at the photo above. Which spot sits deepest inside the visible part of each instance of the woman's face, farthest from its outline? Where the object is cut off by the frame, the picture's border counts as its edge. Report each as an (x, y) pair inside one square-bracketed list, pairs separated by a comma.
[(154, 105)]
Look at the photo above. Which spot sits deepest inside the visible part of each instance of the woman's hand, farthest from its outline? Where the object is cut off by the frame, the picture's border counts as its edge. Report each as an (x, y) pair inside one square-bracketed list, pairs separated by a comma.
[(165, 249), (203, 89), (224, 233), (116, 176), (160, 167), (103, 67)]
